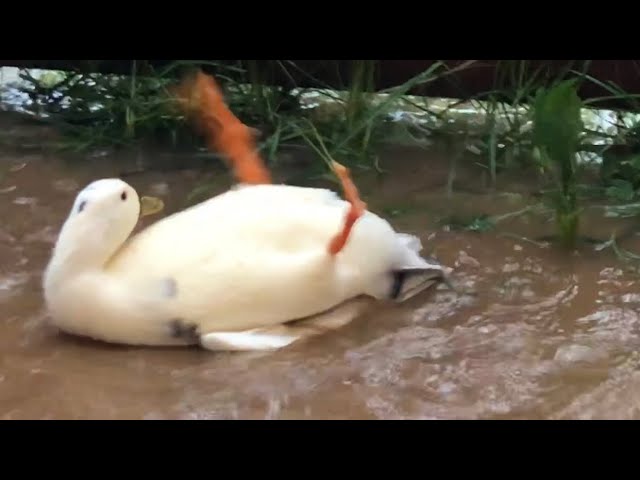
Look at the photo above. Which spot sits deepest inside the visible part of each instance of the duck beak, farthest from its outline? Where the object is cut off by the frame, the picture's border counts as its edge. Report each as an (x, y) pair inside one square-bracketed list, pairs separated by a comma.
[(150, 206)]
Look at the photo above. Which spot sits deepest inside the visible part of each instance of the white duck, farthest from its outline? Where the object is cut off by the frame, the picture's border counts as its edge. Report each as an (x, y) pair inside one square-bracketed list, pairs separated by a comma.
[(230, 273), (250, 269)]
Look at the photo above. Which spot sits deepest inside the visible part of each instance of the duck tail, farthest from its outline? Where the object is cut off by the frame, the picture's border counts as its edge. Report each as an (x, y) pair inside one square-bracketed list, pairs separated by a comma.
[(414, 273), (203, 102)]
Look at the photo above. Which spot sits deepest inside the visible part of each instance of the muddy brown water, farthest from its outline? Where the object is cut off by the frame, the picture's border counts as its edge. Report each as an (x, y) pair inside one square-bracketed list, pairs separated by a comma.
[(547, 335)]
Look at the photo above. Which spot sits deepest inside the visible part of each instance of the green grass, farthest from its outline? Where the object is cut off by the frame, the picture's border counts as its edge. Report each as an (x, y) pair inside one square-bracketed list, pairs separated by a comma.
[(529, 121)]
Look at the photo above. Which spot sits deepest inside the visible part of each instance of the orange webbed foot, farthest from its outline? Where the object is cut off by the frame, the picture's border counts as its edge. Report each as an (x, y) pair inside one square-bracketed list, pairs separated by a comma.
[(200, 96), (356, 210)]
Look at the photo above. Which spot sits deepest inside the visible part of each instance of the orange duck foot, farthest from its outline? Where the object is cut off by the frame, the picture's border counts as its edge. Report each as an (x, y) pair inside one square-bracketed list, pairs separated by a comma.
[(202, 100), (356, 210)]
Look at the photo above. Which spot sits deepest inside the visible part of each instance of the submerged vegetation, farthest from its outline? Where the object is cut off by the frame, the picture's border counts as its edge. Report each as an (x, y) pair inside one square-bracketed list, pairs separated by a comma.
[(529, 122)]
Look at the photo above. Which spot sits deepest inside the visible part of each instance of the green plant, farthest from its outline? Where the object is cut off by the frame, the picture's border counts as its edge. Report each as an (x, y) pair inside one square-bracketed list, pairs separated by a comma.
[(557, 129), (94, 110)]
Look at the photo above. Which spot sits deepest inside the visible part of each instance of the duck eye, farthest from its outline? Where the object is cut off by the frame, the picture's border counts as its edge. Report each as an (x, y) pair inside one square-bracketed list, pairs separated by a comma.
[(82, 205), (123, 196)]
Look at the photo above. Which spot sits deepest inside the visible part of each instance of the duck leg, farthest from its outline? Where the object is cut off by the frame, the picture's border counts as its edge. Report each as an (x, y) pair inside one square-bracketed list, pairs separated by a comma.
[(356, 210), (202, 98)]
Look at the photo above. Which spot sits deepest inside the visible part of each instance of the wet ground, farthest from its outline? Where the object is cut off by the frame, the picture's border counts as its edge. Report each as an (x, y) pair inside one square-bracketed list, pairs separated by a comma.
[(548, 335)]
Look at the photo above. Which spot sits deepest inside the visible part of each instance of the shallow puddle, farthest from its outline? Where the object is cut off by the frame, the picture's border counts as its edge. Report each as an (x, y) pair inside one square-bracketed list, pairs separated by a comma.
[(547, 335)]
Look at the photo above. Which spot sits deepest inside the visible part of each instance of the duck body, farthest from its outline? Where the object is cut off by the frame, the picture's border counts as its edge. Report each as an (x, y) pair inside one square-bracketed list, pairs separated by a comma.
[(257, 267), (248, 260)]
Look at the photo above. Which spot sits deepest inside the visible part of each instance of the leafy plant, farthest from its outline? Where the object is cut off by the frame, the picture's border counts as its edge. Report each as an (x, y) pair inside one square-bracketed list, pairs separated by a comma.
[(557, 129)]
